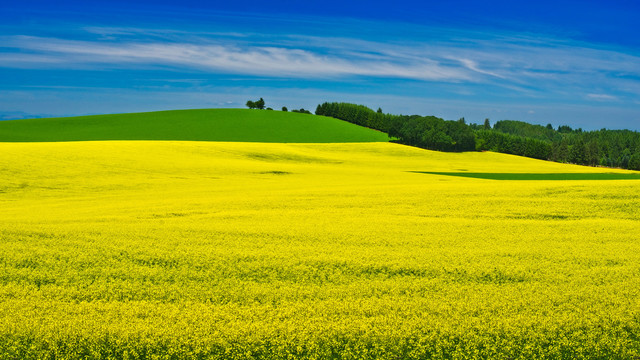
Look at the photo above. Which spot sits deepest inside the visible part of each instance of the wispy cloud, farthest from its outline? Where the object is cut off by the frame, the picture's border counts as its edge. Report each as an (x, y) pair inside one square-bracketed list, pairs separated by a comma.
[(252, 60), (526, 65), (602, 97)]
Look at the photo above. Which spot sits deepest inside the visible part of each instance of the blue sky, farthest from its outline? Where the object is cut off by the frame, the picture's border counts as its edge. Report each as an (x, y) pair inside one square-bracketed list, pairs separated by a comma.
[(558, 62)]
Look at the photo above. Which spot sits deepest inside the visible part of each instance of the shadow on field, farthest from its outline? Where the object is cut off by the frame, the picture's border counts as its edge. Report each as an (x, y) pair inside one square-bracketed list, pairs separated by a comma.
[(537, 176)]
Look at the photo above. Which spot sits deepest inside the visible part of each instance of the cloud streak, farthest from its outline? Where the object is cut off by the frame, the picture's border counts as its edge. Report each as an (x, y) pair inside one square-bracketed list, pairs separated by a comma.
[(602, 97), (524, 65), (251, 60)]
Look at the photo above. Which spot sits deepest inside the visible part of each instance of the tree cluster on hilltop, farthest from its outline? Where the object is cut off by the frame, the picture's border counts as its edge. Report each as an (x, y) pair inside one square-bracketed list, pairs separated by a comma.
[(256, 104), (260, 104)]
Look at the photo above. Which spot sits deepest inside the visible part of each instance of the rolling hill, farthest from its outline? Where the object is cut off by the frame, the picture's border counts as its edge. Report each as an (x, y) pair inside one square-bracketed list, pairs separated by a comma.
[(249, 248), (236, 250), (199, 125)]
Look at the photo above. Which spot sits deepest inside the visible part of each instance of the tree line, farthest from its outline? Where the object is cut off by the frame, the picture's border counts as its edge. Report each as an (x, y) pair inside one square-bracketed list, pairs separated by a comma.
[(427, 132), (612, 148)]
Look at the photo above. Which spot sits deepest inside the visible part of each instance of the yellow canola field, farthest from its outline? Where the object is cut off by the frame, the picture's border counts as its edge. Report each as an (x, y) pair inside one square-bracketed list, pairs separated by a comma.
[(183, 250)]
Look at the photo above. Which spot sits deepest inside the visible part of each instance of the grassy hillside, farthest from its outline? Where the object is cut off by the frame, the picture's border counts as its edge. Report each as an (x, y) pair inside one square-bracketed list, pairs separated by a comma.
[(205, 125), (227, 250)]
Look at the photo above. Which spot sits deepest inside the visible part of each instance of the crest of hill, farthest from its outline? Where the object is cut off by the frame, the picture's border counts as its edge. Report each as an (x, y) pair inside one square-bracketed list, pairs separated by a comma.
[(235, 125)]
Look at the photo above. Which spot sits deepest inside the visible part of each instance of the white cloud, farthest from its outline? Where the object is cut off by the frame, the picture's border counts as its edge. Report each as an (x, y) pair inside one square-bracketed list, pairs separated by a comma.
[(532, 67), (472, 65), (602, 97), (252, 60)]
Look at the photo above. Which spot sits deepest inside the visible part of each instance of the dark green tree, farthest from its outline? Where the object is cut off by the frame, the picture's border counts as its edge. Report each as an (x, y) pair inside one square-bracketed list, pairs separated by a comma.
[(625, 159), (560, 151), (592, 153), (564, 129), (284, 108), (577, 153), (634, 161)]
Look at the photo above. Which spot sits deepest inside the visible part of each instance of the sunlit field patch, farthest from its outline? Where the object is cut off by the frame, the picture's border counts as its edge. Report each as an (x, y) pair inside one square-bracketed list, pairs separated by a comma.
[(182, 250)]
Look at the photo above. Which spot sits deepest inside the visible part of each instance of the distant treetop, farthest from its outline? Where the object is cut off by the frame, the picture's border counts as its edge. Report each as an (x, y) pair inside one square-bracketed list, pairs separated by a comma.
[(256, 104)]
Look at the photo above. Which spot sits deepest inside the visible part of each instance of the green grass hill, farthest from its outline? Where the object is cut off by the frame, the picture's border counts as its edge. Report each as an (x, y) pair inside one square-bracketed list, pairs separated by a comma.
[(200, 125)]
